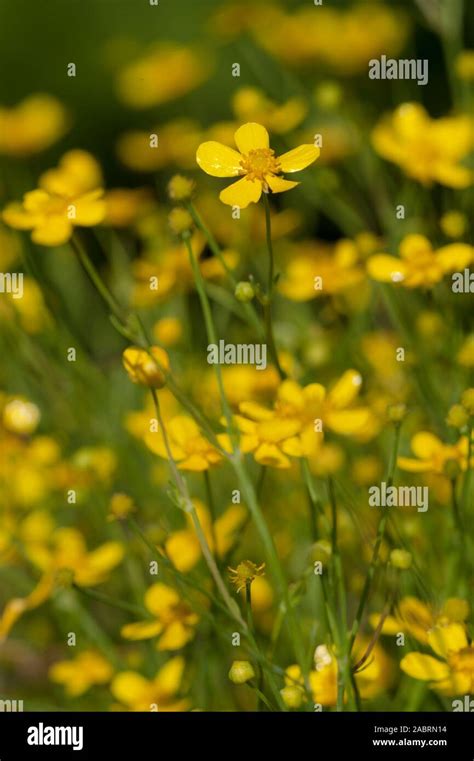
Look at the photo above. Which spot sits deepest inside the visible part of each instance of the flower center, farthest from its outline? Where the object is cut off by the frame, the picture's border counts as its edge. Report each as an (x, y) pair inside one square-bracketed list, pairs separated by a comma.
[(258, 163)]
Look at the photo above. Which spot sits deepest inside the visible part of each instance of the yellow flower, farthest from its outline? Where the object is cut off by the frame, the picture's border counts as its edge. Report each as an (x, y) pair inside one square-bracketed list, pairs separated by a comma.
[(183, 548), (180, 221), (418, 265), (432, 455), (374, 677), (124, 206), (177, 144), (401, 559), (164, 74), (21, 416), (454, 224), (416, 618), (241, 672), (245, 573), (454, 673), (316, 269), (428, 150), (189, 448), (300, 415), (31, 126), (255, 162), (251, 105), (146, 368), (136, 693), (82, 672), (173, 620), (68, 196), (465, 355), (168, 330), (121, 505), (65, 552)]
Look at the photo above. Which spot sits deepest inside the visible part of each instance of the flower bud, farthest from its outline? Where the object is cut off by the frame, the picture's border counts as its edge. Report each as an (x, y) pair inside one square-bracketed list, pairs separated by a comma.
[(180, 221), (401, 559), (292, 695), (244, 291), (180, 188), (396, 412), (457, 416), (241, 671), (21, 417), (142, 367)]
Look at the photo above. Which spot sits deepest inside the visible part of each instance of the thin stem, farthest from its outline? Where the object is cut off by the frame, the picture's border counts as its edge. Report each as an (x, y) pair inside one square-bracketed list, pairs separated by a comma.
[(267, 305)]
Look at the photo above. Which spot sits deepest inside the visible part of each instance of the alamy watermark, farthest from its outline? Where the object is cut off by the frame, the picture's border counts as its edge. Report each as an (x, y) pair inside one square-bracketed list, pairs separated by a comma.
[(403, 68), (237, 354), (399, 496), (12, 282)]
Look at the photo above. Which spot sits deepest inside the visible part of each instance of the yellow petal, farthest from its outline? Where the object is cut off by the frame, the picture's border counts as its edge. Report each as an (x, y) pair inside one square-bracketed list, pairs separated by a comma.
[(455, 609), (159, 598), (298, 158), (414, 466), (250, 137), (445, 640), (241, 193), (130, 688), (90, 209), (141, 630), (175, 636), (269, 454), (168, 679), (386, 269), (425, 445), (218, 160), (348, 422), (345, 390), (183, 549), (15, 215), (255, 411), (424, 667), (455, 256), (55, 231), (278, 184)]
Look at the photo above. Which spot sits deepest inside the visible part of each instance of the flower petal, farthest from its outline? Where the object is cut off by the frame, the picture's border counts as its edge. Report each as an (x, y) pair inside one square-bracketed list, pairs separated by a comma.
[(386, 269), (241, 193), (54, 232), (445, 640), (278, 184), (424, 667), (298, 158), (218, 160), (345, 390), (141, 630), (250, 137)]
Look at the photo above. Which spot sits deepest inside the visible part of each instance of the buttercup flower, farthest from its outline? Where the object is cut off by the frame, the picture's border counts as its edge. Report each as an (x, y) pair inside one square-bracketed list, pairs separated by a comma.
[(82, 672), (189, 448), (146, 368), (432, 455), (68, 196), (416, 618), (173, 621), (452, 673), (256, 163), (31, 126), (136, 693), (419, 266), (428, 150)]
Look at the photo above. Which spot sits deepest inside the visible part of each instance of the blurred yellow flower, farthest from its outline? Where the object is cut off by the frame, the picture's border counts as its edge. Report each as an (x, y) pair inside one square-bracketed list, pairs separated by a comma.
[(428, 150), (256, 161), (82, 672), (432, 456), (251, 105), (173, 620), (182, 547), (64, 554), (32, 125), (146, 368), (189, 448), (316, 269), (174, 143), (464, 65), (136, 693), (419, 265), (21, 416), (454, 673), (241, 672), (68, 196), (168, 330), (165, 73), (416, 618)]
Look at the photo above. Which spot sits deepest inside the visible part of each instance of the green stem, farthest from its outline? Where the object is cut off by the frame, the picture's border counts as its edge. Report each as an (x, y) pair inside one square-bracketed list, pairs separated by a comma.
[(267, 305)]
